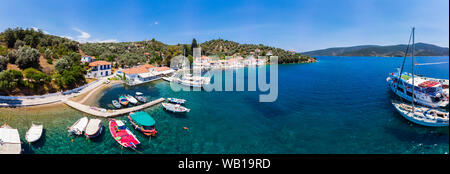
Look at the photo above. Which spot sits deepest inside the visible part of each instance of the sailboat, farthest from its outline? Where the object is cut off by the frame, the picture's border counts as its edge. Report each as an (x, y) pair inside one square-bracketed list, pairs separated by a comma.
[(419, 114), (430, 92)]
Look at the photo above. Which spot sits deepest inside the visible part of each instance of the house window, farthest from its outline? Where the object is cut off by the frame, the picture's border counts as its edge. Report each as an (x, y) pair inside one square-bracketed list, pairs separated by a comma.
[(101, 73)]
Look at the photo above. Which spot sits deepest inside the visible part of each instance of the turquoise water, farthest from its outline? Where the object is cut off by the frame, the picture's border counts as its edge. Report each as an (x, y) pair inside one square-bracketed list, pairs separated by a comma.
[(338, 105)]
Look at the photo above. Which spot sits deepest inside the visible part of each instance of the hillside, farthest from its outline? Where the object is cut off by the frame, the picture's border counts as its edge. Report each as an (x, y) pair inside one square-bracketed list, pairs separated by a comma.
[(422, 49)]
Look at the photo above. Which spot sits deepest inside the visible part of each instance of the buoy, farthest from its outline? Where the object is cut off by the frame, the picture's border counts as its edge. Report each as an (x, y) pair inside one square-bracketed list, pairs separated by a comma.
[(185, 128), (71, 140)]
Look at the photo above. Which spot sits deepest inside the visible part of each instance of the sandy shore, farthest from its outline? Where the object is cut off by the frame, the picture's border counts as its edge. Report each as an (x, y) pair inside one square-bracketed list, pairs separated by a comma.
[(89, 99)]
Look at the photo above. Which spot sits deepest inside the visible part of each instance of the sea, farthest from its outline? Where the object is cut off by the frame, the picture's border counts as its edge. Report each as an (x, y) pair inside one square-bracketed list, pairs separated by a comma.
[(339, 105)]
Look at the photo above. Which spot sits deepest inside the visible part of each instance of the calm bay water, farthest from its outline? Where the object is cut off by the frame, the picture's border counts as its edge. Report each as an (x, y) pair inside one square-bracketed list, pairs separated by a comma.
[(338, 105)]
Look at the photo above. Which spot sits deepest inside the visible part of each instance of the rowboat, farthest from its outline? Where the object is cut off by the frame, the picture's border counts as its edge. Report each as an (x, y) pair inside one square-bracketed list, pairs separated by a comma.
[(422, 115), (93, 128), (122, 134), (131, 99), (176, 100), (143, 122), (141, 98), (116, 104), (174, 107), (34, 133), (123, 100), (9, 140), (78, 127)]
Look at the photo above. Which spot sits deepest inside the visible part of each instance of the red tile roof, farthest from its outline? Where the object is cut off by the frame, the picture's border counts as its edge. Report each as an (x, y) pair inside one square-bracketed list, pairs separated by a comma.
[(100, 62), (138, 70), (164, 68)]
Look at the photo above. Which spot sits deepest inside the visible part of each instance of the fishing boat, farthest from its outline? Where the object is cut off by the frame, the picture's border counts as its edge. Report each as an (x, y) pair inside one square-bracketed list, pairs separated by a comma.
[(9, 140), (93, 128), (34, 133), (429, 92), (422, 115), (116, 104), (176, 100), (122, 134), (419, 114), (143, 122), (175, 108), (123, 100), (78, 127), (131, 99), (141, 98)]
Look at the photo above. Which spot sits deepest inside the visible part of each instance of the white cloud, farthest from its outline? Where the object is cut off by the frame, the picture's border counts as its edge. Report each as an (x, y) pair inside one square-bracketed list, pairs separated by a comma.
[(83, 37), (68, 37), (36, 29), (156, 23)]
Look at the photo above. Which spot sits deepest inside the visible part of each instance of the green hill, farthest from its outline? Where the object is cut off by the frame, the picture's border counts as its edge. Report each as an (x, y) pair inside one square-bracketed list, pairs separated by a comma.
[(422, 49)]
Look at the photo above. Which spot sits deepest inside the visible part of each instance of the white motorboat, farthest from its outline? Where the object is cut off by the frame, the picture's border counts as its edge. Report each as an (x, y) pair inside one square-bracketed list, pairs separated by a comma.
[(176, 100), (131, 99), (34, 133), (93, 128), (78, 127), (175, 108), (9, 140)]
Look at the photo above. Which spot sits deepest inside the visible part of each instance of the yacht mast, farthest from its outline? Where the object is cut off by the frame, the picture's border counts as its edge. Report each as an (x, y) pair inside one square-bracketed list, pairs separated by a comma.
[(412, 52)]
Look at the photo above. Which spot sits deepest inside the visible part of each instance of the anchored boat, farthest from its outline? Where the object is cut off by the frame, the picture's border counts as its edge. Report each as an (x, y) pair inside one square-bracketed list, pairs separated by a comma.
[(131, 99), (78, 127), (93, 128), (123, 100), (122, 134), (175, 108), (9, 140), (422, 115), (176, 100), (143, 122), (116, 104), (34, 133)]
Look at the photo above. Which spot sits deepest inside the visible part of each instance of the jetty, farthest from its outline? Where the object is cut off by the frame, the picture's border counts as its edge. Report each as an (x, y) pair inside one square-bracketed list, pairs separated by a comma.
[(106, 113)]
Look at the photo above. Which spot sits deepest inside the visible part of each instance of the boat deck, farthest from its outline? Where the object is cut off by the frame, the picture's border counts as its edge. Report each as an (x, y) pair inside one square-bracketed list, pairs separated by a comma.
[(110, 113)]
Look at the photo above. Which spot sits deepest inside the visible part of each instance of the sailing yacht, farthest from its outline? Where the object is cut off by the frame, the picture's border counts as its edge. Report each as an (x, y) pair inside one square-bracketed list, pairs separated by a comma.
[(428, 91), (418, 114)]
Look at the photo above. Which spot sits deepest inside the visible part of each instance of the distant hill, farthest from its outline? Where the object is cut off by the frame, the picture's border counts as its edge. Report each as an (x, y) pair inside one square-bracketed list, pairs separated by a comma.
[(422, 49)]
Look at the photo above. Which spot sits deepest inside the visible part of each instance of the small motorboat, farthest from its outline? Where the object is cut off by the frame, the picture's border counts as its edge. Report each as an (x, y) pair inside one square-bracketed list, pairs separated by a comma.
[(122, 134), (9, 140), (176, 100), (131, 99), (93, 128), (123, 100), (143, 122), (34, 133), (141, 98), (422, 115), (139, 93), (116, 104), (78, 127), (175, 108)]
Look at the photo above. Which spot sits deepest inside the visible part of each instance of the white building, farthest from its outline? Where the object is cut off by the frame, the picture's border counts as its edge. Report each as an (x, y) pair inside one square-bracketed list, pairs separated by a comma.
[(99, 69), (144, 73), (87, 59)]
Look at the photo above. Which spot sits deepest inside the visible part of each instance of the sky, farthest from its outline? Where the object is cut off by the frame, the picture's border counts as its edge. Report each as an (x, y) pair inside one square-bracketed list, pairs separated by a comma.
[(299, 25)]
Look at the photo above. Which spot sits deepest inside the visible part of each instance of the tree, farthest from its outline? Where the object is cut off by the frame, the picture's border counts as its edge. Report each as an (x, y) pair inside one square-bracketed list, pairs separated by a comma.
[(3, 63), (61, 65), (3, 51), (10, 79), (19, 44), (12, 56), (194, 44), (27, 57)]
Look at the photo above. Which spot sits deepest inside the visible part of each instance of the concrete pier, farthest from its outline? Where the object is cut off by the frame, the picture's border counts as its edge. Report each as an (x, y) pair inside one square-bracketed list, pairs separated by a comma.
[(100, 112)]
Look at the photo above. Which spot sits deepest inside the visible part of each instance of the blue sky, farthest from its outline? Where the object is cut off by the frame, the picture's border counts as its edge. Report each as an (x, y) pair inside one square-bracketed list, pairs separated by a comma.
[(288, 24)]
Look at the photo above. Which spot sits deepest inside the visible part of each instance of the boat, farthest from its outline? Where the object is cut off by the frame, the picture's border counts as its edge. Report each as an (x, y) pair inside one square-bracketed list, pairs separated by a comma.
[(93, 128), (116, 104), (78, 127), (175, 107), (176, 100), (422, 115), (122, 134), (123, 100), (9, 140), (418, 114), (34, 133), (141, 98), (428, 92), (139, 93), (143, 122), (131, 99)]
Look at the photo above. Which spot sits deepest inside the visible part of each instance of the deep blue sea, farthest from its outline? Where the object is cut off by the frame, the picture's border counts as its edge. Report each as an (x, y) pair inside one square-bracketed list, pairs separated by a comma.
[(337, 105)]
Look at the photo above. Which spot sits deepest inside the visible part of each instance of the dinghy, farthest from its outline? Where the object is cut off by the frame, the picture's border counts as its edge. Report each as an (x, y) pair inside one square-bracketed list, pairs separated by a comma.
[(116, 104), (123, 100), (141, 98), (143, 122), (78, 127), (131, 99), (176, 100), (9, 140), (139, 93), (122, 134), (93, 128), (175, 108), (34, 133)]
